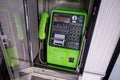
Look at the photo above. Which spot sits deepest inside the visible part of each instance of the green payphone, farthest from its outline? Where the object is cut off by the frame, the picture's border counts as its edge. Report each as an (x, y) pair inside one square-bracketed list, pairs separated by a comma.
[(66, 31)]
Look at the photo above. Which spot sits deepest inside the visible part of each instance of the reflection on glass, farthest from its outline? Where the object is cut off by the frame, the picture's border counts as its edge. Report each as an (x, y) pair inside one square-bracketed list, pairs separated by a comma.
[(62, 1), (72, 0)]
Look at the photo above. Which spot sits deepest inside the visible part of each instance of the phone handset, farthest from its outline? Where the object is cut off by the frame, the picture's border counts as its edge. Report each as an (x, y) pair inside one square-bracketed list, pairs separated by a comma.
[(42, 35), (42, 25)]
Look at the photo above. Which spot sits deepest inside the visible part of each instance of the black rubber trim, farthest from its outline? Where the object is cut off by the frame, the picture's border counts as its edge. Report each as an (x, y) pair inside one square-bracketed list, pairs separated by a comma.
[(112, 61)]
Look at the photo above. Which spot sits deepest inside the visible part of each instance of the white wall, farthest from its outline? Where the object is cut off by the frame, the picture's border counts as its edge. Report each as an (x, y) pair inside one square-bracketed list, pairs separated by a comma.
[(91, 76), (105, 37), (104, 40)]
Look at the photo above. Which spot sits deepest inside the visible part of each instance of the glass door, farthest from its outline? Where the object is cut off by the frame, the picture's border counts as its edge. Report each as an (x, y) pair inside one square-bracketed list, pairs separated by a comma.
[(13, 36)]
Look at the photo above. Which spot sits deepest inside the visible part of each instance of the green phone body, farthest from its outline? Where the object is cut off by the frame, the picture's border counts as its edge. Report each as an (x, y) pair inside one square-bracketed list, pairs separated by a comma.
[(66, 31)]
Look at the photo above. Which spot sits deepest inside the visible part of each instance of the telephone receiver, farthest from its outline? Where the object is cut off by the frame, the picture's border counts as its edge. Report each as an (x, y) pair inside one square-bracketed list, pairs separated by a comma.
[(42, 36), (42, 25)]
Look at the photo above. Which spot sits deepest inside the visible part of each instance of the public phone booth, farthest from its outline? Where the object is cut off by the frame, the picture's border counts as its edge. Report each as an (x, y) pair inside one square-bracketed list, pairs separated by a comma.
[(48, 39)]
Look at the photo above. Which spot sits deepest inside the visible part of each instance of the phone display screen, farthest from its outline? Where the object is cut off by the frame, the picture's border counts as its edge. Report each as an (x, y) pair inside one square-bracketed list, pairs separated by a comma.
[(62, 19)]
